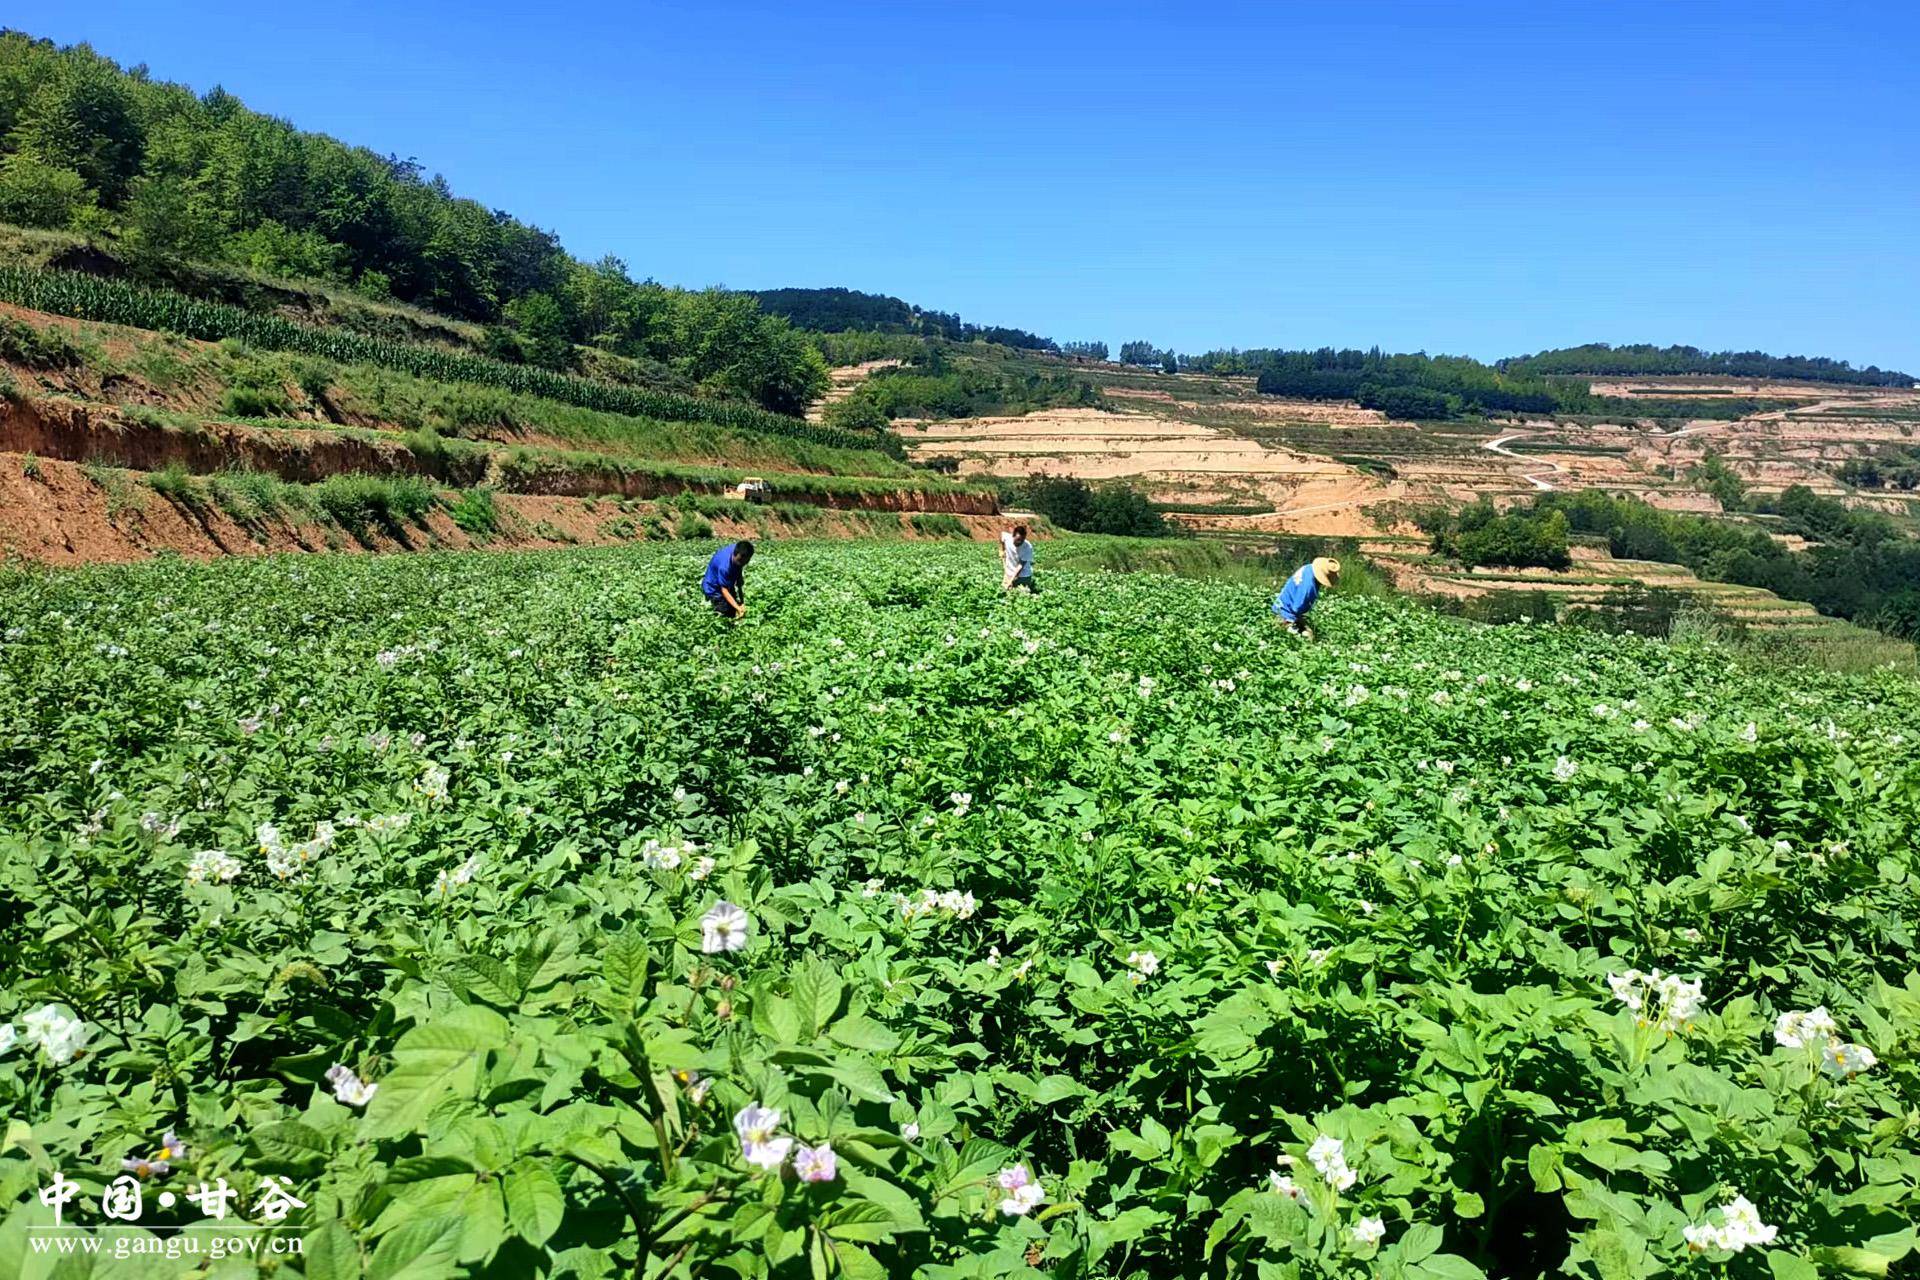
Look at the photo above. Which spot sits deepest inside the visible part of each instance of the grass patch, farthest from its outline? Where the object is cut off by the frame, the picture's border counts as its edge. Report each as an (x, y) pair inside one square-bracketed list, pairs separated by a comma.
[(122, 496), (38, 348), (176, 484), (936, 524)]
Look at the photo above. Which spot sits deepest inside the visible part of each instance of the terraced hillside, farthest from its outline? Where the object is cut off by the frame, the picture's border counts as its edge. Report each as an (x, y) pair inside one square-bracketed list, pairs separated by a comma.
[(1232, 463), (1198, 440)]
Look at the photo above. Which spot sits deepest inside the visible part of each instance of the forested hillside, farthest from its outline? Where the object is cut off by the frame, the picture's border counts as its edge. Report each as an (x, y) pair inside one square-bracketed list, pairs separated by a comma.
[(1419, 386), (164, 174), (844, 310), (1643, 359)]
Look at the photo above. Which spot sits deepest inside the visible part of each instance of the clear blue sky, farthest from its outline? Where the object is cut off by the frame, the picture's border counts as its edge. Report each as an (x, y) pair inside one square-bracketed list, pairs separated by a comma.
[(1463, 177)]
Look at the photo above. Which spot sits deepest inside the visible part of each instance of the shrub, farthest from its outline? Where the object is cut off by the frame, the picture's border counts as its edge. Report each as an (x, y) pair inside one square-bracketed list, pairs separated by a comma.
[(1113, 508), (356, 500), (1481, 535), (255, 402), (475, 513), (692, 528)]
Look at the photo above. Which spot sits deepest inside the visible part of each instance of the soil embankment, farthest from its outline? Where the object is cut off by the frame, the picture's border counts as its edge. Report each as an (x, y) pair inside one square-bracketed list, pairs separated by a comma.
[(62, 513), (70, 432)]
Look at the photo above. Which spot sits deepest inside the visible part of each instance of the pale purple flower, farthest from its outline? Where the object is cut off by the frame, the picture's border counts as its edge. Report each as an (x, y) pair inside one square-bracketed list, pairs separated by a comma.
[(815, 1164)]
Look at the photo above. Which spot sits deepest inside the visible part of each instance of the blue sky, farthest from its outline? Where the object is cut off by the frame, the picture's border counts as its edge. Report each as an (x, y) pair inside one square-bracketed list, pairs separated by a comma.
[(1473, 178)]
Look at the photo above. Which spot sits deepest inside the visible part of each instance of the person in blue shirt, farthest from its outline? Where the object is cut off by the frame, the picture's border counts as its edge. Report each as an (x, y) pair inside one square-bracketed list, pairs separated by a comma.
[(723, 585), (1297, 597)]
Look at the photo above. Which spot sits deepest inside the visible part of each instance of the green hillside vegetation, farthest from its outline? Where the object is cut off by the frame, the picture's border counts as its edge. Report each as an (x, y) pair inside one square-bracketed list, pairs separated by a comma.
[(1861, 567), (166, 175), (1110, 508), (1481, 535), (843, 310), (960, 381), (1891, 467), (115, 302), (1419, 387)]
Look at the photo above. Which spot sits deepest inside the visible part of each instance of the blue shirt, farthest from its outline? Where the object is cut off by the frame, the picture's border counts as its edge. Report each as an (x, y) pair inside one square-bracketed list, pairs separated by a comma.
[(1298, 595), (722, 572)]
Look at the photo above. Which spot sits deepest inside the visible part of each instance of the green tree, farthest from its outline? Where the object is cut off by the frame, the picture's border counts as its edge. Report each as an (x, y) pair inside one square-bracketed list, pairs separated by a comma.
[(163, 219), (1717, 478), (272, 249), (84, 119), (34, 193), (543, 331)]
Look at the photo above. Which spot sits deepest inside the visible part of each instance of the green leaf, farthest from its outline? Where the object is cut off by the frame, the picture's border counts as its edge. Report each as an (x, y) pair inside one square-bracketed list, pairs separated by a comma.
[(1421, 1240), (1445, 1266), (330, 1252), (421, 1168), (1104, 1233), (535, 1204), (862, 1080), (776, 1018), (858, 1031), (427, 1249), (1790, 1266), (862, 1221), (1859, 1262), (488, 979), (856, 1263), (1543, 1162), (1053, 1088), (290, 1147), (816, 991), (547, 960), (433, 1062), (899, 1204)]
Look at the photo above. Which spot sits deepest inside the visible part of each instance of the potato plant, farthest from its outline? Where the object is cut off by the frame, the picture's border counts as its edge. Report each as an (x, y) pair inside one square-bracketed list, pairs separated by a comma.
[(524, 919)]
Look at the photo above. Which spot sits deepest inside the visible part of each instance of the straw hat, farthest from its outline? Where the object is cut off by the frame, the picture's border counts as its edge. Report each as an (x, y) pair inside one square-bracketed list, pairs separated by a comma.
[(1326, 570)]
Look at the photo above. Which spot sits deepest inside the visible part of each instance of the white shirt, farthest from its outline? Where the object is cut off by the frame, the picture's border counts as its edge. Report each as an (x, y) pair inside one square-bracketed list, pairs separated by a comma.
[(1019, 558)]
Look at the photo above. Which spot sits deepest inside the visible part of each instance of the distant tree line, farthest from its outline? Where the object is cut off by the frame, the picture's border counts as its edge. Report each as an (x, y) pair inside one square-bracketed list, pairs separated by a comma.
[(1085, 350), (1149, 356), (841, 310), (165, 174), (1419, 387), (1644, 360), (1414, 386)]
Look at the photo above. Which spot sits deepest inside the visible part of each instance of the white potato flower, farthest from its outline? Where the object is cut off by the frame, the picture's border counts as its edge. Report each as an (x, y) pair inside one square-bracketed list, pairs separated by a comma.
[(723, 928)]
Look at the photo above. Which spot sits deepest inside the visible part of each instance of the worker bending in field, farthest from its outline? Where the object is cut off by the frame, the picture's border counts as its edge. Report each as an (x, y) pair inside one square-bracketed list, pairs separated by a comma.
[(1297, 597), (724, 583), (1016, 560)]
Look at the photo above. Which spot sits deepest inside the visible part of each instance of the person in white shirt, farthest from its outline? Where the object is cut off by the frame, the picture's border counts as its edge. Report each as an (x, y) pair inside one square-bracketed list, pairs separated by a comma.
[(1016, 560)]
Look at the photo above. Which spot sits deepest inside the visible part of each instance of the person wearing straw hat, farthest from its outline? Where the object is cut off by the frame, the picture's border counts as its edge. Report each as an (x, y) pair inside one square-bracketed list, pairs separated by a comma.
[(1296, 598)]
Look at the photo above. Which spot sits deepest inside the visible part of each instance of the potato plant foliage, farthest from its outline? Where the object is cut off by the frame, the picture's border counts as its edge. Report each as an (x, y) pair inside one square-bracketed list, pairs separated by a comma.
[(1104, 933)]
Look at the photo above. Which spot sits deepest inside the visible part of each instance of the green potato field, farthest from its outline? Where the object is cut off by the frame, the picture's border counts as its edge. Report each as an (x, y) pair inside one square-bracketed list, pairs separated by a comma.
[(519, 918)]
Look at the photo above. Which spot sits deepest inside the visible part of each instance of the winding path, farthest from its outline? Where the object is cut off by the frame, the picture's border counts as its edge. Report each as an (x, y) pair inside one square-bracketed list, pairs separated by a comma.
[(1499, 446)]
